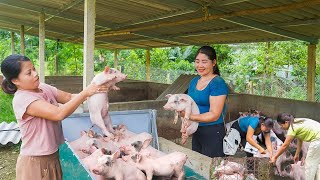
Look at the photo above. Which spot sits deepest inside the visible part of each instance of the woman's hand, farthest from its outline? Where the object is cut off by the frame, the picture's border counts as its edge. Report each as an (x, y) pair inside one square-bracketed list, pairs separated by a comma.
[(273, 160), (262, 151), (184, 135), (94, 89)]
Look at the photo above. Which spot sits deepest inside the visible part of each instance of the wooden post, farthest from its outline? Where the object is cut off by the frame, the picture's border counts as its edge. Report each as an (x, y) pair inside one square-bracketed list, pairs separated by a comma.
[(168, 77), (250, 87), (311, 72), (56, 58), (89, 37), (115, 56), (148, 64), (22, 43), (12, 42), (41, 47)]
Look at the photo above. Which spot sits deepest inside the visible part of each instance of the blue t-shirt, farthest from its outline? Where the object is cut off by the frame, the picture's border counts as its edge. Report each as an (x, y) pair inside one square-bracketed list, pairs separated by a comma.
[(216, 87), (247, 121)]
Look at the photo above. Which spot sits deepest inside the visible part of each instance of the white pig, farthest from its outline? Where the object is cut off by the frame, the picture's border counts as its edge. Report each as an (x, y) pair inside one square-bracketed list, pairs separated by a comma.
[(286, 156), (235, 176), (275, 144), (183, 102), (229, 168), (110, 166), (98, 104), (91, 161), (139, 147), (295, 171), (122, 132), (168, 165), (84, 144), (100, 142), (144, 137), (304, 150)]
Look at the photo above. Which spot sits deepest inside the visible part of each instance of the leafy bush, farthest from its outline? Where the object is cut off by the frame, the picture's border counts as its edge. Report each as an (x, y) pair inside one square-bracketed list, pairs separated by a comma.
[(6, 110)]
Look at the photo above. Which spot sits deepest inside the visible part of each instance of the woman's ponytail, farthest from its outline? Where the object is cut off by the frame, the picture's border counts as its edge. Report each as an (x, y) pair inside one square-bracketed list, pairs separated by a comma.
[(8, 87), (11, 68)]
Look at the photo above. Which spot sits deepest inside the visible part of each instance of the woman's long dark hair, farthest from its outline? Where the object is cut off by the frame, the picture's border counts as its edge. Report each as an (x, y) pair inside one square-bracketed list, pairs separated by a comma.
[(283, 117), (211, 53), (11, 68), (267, 121)]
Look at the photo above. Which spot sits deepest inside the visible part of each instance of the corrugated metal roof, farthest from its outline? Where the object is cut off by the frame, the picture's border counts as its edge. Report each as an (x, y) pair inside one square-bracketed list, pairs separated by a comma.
[(9, 133), (127, 24)]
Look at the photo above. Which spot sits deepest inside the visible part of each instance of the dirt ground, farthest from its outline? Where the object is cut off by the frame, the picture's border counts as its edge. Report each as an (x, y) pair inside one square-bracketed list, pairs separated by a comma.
[(8, 158)]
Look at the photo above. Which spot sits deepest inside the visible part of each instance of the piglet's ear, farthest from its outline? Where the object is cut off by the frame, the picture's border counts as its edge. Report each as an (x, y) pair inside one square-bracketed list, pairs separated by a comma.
[(106, 69), (115, 156), (168, 96), (83, 133), (91, 133), (138, 157), (146, 143), (95, 171)]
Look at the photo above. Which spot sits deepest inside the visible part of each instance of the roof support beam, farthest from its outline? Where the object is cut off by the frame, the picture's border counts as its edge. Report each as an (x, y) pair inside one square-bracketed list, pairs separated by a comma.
[(14, 21), (165, 16), (67, 37), (298, 23), (12, 42), (115, 58), (88, 43), (41, 47), (190, 8), (53, 12), (8, 28), (148, 64), (22, 41), (311, 72), (228, 2), (186, 4), (65, 8), (215, 32), (224, 15), (169, 40), (270, 29)]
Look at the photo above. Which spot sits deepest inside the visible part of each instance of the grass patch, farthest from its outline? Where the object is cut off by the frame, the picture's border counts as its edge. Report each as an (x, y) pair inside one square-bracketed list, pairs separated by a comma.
[(6, 110)]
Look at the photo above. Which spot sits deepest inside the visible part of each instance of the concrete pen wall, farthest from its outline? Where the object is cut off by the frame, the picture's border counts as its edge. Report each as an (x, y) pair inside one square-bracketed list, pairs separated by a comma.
[(236, 103)]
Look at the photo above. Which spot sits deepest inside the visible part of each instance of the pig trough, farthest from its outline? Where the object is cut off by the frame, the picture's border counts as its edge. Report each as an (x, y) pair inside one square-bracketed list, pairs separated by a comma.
[(136, 121)]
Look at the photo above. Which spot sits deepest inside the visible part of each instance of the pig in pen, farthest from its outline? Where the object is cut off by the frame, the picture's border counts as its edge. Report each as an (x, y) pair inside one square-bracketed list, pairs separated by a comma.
[(235, 168), (284, 167), (127, 156)]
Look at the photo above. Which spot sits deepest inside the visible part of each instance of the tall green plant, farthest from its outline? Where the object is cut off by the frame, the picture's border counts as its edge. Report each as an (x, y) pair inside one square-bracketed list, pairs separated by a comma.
[(6, 110)]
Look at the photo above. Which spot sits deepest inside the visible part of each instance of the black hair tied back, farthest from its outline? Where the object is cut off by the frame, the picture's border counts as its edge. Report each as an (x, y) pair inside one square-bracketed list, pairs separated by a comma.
[(8, 87), (11, 68)]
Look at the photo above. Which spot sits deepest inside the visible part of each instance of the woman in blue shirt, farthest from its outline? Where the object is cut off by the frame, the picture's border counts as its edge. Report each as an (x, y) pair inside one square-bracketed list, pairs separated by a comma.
[(209, 91), (251, 125)]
